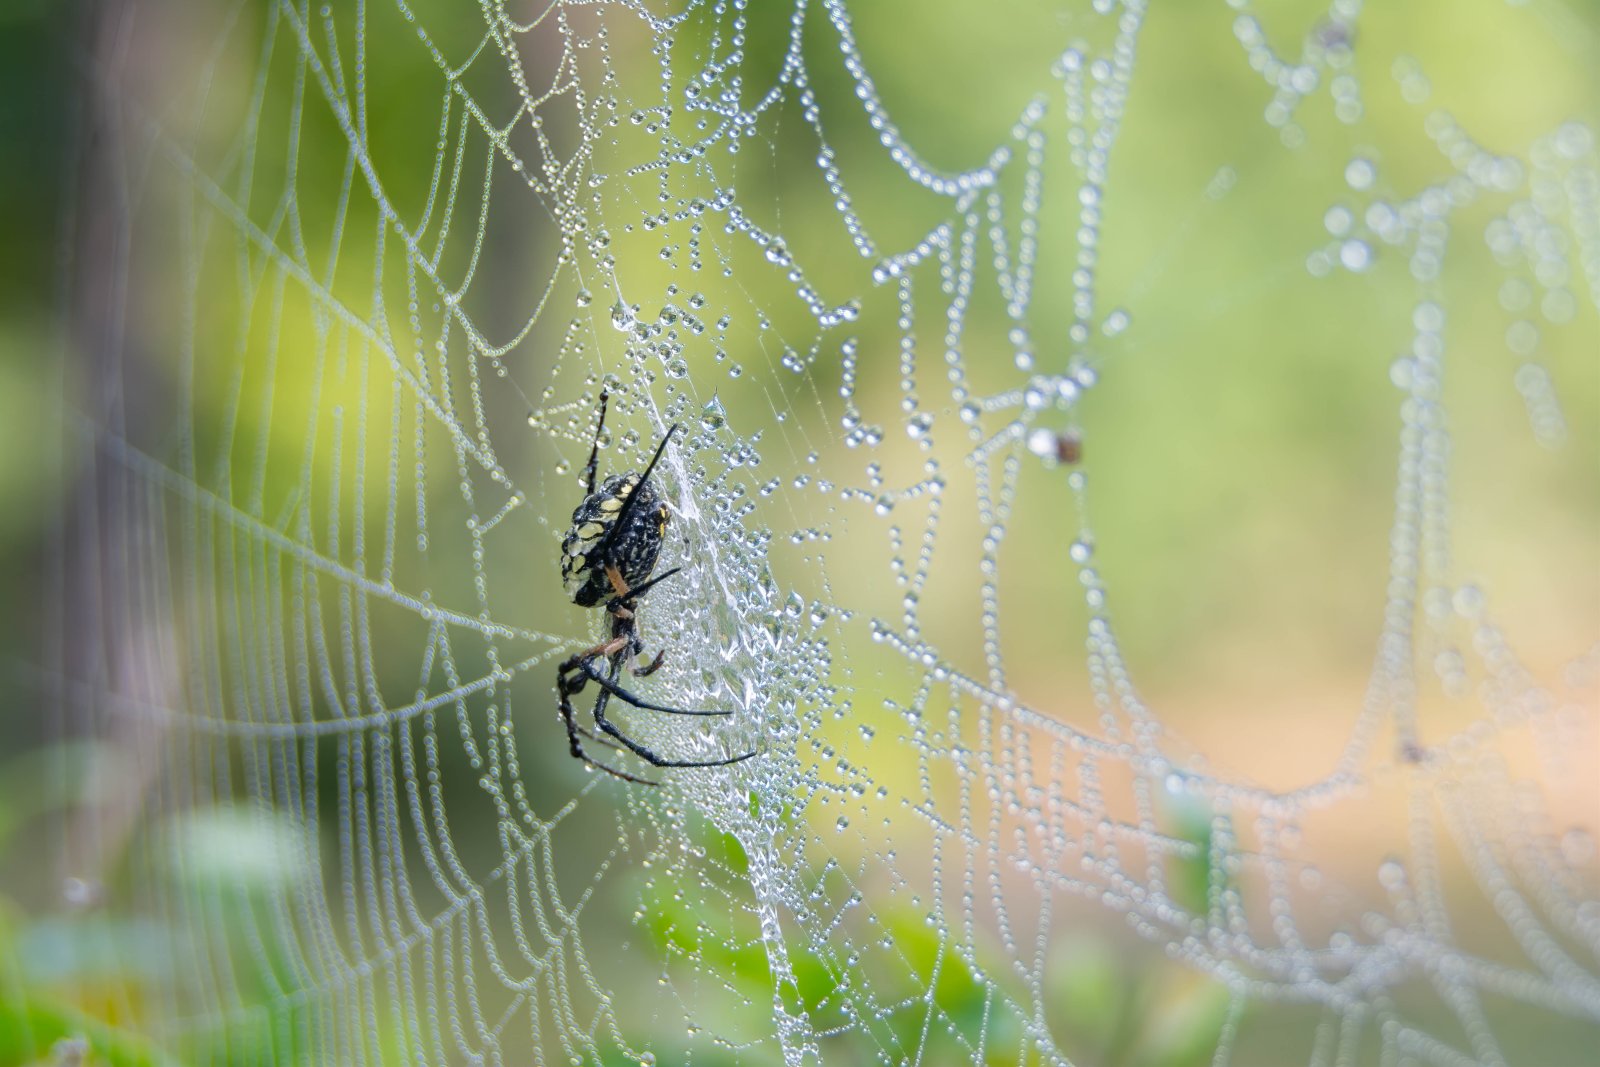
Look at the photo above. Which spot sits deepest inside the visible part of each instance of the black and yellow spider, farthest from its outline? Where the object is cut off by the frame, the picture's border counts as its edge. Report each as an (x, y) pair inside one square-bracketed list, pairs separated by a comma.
[(607, 556)]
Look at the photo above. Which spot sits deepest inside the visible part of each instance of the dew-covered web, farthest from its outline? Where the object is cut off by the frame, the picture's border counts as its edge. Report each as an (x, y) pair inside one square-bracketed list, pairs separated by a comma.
[(366, 294)]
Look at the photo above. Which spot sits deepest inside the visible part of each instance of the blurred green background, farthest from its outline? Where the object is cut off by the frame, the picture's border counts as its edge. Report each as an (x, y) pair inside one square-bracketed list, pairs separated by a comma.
[(1240, 444)]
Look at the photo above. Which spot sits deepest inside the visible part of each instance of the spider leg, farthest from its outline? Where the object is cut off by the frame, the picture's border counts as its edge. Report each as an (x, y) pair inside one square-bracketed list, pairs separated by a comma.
[(578, 670), (592, 736), (618, 604), (594, 450), (624, 775), (611, 687), (600, 720), (604, 650), (649, 668), (616, 607), (641, 589), (565, 687), (620, 522)]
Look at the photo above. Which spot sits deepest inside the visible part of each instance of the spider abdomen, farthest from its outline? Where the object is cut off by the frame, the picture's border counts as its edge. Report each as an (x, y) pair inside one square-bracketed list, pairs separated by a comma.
[(592, 543)]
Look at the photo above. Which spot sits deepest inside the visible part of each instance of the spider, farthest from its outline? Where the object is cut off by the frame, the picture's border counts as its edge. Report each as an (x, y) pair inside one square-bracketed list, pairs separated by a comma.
[(607, 556)]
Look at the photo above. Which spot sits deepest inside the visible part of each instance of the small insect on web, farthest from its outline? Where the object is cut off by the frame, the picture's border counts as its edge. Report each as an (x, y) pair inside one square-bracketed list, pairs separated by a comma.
[(608, 554)]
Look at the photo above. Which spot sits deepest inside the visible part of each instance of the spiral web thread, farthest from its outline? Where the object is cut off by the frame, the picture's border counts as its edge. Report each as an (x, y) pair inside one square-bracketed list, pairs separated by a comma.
[(332, 635)]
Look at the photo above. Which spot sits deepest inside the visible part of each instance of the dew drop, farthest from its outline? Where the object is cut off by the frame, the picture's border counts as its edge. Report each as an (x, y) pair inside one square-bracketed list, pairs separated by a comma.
[(1355, 255), (1360, 173), (621, 317), (1392, 875), (1578, 847)]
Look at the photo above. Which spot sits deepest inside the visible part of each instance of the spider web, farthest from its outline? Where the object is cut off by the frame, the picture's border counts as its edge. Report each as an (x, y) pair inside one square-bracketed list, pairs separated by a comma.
[(345, 359)]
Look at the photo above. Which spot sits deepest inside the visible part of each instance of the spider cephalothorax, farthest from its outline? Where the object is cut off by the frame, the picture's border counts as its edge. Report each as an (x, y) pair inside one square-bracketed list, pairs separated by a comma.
[(607, 557)]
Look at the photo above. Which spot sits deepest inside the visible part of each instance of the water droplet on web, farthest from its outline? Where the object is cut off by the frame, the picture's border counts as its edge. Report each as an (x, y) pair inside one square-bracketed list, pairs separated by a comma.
[(1469, 601), (1402, 371), (1355, 255), (1578, 847), (1522, 337), (1428, 317), (1360, 173), (1558, 306), (1392, 875), (712, 416)]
